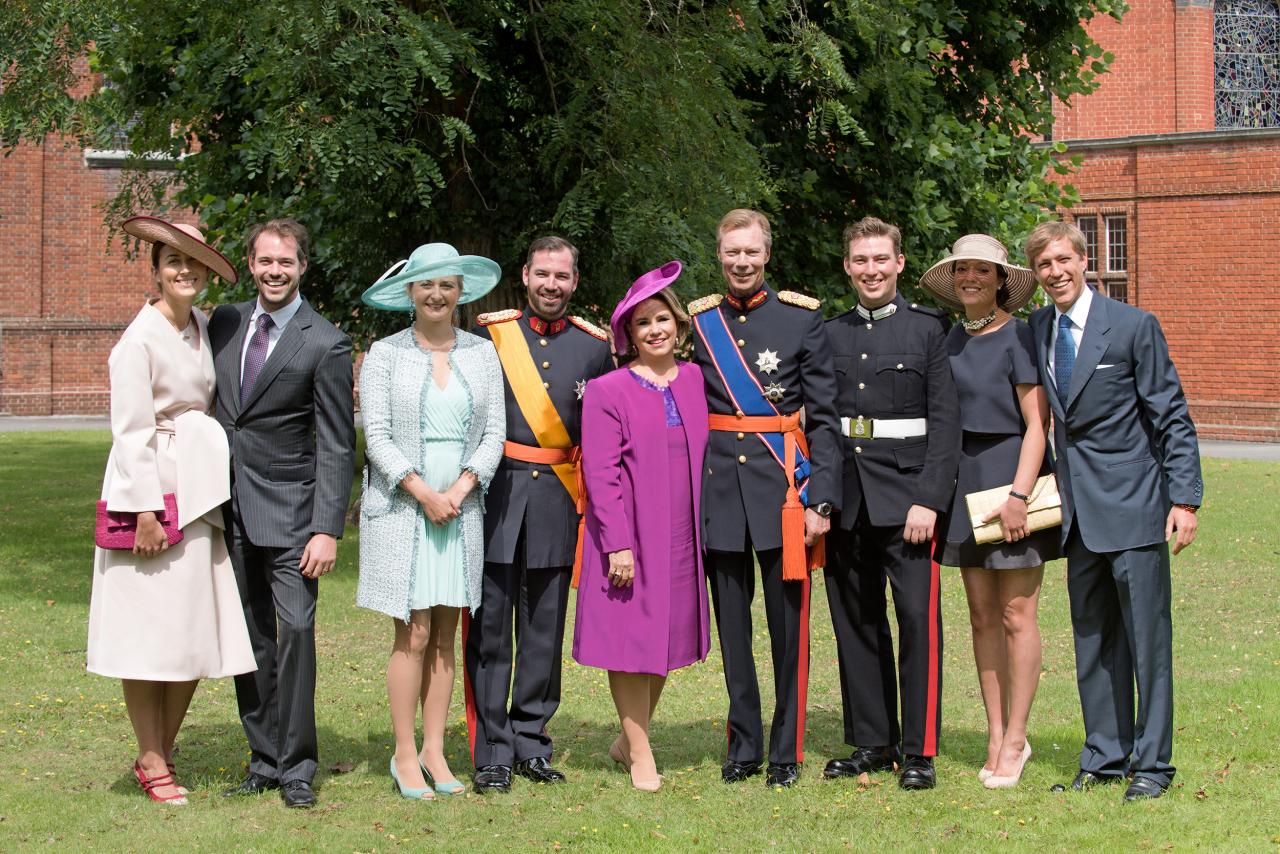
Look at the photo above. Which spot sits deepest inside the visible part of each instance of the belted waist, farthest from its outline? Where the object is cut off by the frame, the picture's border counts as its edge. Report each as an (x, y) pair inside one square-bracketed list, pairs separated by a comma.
[(541, 456), (754, 423), (883, 428)]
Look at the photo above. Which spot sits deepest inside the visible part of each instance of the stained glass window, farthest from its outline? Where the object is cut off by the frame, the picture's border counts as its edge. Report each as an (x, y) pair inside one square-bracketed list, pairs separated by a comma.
[(1246, 59)]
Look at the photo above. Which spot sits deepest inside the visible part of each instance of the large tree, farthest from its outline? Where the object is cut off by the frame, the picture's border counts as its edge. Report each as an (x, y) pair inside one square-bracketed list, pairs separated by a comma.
[(628, 125)]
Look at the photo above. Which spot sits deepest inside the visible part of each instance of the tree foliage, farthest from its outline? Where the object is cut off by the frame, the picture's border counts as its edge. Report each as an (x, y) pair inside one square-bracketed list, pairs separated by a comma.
[(630, 126)]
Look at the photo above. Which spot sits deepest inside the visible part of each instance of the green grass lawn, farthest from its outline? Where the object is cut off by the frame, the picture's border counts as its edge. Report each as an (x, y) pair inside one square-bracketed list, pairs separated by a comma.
[(67, 745)]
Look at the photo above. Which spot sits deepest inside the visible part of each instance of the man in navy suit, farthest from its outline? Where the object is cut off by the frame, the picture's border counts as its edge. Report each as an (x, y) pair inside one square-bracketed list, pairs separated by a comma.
[(1128, 468)]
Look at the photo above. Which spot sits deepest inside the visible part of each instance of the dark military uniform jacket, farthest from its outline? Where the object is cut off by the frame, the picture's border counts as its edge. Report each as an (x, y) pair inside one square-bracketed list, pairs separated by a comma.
[(786, 348), (896, 367), (529, 497)]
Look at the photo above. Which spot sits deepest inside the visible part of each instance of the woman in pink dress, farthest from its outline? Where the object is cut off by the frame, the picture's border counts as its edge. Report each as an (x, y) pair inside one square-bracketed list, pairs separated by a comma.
[(642, 598)]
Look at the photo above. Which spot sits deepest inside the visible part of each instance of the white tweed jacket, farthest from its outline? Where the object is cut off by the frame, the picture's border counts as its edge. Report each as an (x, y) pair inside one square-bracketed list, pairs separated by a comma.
[(393, 387)]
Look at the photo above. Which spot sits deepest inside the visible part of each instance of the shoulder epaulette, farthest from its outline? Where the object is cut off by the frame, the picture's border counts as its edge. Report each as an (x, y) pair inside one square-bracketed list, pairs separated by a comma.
[(706, 303), (927, 309), (491, 317), (588, 327), (799, 300)]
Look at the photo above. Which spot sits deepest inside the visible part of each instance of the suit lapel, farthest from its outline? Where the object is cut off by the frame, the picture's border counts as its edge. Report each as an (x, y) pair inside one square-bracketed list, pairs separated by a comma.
[(1093, 344), (228, 367), (1042, 327), (291, 341)]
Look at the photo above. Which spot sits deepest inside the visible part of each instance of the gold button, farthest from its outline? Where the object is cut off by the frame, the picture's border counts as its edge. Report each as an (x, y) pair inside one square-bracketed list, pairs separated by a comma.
[(534, 474), (542, 342), (742, 318), (741, 343), (862, 385), (864, 355), (738, 413), (742, 458), (546, 365), (899, 366), (741, 436), (546, 385), (856, 450)]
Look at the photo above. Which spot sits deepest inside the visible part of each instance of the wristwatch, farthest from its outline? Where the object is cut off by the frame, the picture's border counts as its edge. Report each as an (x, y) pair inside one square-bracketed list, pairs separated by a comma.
[(823, 509)]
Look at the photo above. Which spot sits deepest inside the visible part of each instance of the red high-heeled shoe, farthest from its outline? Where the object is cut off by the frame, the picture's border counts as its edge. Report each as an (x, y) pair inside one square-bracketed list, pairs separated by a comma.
[(150, 784)]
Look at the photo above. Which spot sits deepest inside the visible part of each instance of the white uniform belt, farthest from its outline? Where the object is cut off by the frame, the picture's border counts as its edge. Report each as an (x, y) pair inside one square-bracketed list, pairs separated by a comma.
[(883, 428)]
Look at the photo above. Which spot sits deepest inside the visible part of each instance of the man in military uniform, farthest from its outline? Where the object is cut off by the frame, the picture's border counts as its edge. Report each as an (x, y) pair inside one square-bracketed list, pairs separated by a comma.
[(900, 428), (531, 522), (764, 355)]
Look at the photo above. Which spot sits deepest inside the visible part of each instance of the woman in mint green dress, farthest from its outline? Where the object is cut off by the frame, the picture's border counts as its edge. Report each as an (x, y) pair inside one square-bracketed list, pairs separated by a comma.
[(435, 421)]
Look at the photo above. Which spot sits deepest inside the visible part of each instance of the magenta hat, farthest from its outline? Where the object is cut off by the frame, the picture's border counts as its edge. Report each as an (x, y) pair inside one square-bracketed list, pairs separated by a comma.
[(641, 289)]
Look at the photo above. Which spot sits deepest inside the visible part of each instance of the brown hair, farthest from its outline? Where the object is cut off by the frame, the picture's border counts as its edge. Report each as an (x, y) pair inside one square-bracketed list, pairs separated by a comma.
[(745, 218), (1047, 232), (280, 228), (870, 226), (683, 323), (551, 243)]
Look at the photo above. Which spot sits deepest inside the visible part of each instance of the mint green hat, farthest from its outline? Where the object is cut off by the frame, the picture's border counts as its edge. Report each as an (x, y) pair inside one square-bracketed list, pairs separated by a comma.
[(432, 261)]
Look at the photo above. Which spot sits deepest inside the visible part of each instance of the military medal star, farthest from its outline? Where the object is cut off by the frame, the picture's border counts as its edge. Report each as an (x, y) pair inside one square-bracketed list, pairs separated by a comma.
[(767, 361), (580, 387), (774, 392)]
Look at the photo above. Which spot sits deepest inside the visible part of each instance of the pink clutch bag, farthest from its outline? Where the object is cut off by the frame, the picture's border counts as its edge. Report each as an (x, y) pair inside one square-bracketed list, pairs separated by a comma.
[(117, 530)]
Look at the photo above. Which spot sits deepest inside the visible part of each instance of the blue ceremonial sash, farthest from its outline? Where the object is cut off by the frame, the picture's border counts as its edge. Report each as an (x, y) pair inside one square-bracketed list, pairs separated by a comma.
[(745, 390)]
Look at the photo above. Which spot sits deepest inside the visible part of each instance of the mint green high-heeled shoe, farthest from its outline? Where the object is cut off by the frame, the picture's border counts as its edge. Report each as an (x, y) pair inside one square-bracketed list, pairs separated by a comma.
[(448, 787), (412, 794)]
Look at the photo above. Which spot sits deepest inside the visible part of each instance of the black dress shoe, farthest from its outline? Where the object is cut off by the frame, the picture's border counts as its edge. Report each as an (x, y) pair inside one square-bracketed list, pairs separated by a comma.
[(1084, 781), (254, 784), (864, 760), (1143, 788), (736, 772), (493, 778), (782, 775), (538, 770), (297, 794), (917, 773)]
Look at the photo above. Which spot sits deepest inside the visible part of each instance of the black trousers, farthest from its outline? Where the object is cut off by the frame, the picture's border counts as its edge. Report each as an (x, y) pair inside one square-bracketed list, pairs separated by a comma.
[(859, 562), (507, 716), (277, 701), (732, 577)]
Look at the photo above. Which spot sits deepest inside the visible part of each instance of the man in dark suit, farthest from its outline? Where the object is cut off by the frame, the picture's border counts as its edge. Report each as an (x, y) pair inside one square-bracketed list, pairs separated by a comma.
[(531, 522), (1128, 467), (764, 356), (285, 399), (900, 427)]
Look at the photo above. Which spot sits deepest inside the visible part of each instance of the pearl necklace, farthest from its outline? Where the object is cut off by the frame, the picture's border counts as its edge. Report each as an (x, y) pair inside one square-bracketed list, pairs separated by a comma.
[(981, 322)]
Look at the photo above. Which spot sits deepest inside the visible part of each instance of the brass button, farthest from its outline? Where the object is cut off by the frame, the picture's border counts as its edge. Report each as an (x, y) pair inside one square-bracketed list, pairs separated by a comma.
[(546, 385), (741, 436), (542, 342), (738, 413), (899, 366), (856, 450), (741, 343), (742, 318), (534, 474), (864, 355), (546, 365), (862, 386), (742, 458)]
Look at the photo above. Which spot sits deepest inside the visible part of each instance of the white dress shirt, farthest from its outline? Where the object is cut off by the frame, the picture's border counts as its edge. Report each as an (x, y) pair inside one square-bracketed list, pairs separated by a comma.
[(279, 318), (1077, 314)]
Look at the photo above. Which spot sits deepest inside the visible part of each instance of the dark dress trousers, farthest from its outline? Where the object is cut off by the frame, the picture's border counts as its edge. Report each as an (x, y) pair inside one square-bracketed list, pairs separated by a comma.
[(531, 532), (1126, 451), (743, 490), (891, 367), (292, 456)]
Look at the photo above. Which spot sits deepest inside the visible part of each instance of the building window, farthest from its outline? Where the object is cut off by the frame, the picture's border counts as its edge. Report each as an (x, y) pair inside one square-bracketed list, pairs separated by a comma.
[(1108, 259), (1246, 63)]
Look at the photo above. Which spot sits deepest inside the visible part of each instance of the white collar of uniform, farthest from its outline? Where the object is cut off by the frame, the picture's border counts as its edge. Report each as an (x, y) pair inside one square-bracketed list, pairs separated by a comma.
[(1079, 312), (281, 316), (877, 313)]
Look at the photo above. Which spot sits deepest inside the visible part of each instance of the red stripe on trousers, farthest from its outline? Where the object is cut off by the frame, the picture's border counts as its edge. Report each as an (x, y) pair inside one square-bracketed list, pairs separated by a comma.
[(468, 693), (935, 663), (802, 674)]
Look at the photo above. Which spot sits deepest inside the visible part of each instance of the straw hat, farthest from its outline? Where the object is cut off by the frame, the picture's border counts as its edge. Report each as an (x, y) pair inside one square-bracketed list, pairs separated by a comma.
[(641, 289), (1020, 283), (187, 239), (432, 261)]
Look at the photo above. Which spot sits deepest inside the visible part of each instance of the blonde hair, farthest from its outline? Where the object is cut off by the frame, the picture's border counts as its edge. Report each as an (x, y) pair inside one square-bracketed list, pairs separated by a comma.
[(745, 218), (870, 226), (683, 323), (1047, 232)]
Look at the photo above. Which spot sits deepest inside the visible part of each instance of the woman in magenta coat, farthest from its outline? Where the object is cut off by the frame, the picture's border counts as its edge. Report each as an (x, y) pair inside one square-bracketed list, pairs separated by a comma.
[(642, 598)]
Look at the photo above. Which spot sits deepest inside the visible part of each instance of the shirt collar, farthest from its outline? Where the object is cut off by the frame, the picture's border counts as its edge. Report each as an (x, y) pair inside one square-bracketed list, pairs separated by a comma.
[(1079, 312), (886, 310), (754, 301), (545, 327), (281, 316)]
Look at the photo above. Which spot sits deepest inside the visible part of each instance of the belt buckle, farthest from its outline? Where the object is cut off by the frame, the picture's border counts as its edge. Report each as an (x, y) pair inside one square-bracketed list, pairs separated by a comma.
[(860, 429)]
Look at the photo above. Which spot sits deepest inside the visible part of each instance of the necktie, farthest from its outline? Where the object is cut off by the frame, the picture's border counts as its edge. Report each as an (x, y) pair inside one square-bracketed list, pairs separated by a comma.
[(255, 357), (1064, 357)]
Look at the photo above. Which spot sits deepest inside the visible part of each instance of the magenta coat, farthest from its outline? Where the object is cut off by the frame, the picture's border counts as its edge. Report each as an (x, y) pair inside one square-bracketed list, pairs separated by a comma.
[(624, 458)]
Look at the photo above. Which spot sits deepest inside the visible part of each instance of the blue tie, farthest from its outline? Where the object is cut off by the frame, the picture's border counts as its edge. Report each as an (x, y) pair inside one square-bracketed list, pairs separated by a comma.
[(1064, 357)]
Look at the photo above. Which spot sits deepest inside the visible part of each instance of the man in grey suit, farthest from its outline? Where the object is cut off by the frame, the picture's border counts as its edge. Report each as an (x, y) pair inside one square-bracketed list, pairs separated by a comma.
[(285, 399), (1128, 468)]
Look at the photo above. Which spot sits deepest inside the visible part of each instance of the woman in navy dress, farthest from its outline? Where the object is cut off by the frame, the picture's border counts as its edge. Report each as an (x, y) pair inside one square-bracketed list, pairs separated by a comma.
[(1004, 414)]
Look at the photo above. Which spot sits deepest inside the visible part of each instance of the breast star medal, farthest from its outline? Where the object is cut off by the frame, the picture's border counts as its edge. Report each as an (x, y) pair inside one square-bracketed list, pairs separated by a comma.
[(580, 388), (774, 392), (767, 361)]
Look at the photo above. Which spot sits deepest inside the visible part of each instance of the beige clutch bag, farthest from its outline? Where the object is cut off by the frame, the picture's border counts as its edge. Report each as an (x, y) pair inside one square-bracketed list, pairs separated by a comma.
[(1044, 510)]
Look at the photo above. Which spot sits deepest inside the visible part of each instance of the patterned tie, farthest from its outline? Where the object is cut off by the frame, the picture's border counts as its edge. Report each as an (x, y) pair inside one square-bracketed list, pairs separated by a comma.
[(255, 357), (1064, 357)]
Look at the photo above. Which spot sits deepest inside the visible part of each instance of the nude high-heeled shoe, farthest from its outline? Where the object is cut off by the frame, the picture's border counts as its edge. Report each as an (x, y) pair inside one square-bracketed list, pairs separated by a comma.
[(1008, 782)]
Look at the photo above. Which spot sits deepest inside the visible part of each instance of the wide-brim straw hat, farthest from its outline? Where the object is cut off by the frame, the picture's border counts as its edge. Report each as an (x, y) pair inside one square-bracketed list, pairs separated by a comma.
[(187, 239), (641, 289), (1019, 283), (432, 261)]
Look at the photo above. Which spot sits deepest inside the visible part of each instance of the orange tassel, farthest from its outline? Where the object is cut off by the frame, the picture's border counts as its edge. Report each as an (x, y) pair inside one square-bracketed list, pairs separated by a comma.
[(581, 506), (577, 556), (795, 563), (818, 554)]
